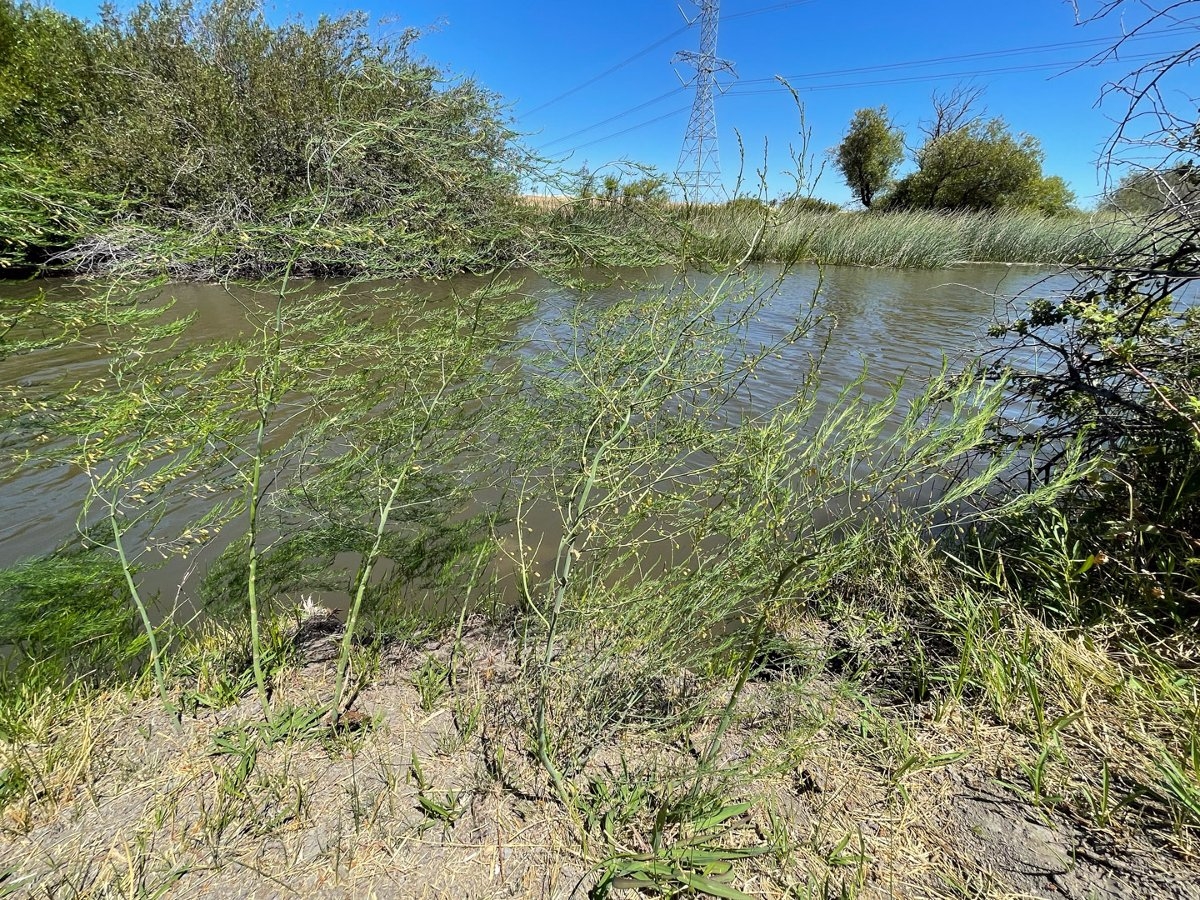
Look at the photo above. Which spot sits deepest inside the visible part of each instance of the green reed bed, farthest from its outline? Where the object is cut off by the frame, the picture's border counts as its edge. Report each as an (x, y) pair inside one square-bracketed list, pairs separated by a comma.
[(923, 240)]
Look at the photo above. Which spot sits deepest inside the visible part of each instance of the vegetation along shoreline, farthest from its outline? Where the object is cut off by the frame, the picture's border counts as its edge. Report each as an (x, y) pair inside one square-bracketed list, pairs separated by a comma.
[(373, 162), (591, 584)]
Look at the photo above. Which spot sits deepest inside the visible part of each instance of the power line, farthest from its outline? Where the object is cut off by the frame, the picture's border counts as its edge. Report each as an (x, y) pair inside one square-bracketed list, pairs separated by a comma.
[(649, 48), (579, 87), (984, 54), (640, 125), (934, 76), (620, 115), (764, 9), (740, 91), (830, 87)]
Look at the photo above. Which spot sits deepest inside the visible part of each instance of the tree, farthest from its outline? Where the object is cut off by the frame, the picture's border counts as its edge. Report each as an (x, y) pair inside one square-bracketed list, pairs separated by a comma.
[(978, 166), (1049, 195), (952, 111), (48, 77), (648, 189), (869, 153), (1147, 191)]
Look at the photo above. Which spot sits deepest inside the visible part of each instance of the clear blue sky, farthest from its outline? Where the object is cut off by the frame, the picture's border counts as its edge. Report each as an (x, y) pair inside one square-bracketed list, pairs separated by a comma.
[(531, 53)]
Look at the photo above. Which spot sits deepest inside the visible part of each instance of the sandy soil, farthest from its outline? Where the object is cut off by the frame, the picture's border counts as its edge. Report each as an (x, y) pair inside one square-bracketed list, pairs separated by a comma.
[(443, 799)]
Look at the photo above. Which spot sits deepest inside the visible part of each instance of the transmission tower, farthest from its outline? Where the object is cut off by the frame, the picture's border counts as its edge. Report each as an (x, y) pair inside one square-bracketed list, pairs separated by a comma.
[(699, 169)]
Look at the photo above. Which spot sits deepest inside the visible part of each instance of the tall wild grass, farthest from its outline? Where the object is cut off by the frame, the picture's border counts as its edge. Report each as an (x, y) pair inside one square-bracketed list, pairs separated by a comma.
[(918, 239)]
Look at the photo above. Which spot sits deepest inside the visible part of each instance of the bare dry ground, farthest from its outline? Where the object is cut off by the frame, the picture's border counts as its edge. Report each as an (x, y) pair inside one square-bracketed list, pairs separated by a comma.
[(432, 791)]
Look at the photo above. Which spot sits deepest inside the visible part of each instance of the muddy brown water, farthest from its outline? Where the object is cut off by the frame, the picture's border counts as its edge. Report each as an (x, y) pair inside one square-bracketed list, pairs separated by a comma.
[(889, 323)]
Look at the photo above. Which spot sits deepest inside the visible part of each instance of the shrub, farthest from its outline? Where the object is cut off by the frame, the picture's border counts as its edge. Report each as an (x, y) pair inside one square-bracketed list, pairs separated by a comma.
[(1111, 371), (798, 203), (213, 105), (49, 67), (41, 211), (1145, 191), (242, 144)]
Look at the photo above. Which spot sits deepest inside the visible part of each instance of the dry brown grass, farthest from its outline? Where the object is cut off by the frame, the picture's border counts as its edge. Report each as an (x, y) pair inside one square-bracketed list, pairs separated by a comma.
[(547, 202), (849, 799)]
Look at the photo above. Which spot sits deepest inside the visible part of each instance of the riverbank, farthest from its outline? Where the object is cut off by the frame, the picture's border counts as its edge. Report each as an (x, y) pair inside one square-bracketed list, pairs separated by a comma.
[(550, 237), (626, 611), (56, 228), (826, 784)]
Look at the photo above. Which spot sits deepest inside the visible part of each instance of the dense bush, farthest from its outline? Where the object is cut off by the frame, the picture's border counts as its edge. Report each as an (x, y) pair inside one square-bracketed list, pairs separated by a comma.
[(801, 204), (1110, 372), (240, 143), (42, 211), (49, 76), (218, 106), (1144, 191), (1115, 378), (980, 166)]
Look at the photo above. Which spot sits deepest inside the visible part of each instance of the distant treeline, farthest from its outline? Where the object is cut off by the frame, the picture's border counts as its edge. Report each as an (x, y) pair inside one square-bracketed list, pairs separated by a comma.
[(199, 140), (964, 161)]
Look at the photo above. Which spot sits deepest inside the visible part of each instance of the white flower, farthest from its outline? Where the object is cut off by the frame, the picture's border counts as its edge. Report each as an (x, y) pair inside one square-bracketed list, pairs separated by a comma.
[(309, 608)]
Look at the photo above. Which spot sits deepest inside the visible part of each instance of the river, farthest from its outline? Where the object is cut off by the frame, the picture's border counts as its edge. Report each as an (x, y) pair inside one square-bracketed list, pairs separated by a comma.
[(891, 323)]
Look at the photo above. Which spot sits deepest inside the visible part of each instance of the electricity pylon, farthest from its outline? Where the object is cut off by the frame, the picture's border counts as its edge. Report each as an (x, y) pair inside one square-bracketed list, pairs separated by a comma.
[(699, 169)]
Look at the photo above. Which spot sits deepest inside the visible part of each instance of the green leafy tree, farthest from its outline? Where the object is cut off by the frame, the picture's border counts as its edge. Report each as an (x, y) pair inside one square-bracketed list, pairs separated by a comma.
[(869, 153), (648, 189), (1049, 195), (49, 66), (980, 166), (643, 185), (1151, 191)]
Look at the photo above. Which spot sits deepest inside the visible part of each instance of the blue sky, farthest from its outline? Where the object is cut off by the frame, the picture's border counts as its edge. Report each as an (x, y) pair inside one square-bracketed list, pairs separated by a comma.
[(839, 55)]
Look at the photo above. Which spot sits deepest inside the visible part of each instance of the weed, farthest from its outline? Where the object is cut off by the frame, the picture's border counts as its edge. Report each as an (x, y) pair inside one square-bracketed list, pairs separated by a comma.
[(468, 715), (431, 681), (929, 240), (694, 858), (444, 809)]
